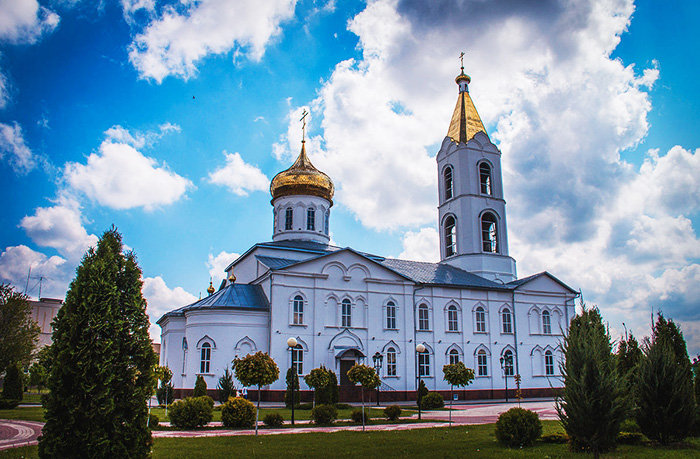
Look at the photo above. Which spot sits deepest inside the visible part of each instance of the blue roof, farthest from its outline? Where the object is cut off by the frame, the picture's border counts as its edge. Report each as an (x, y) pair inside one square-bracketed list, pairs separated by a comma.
[(439, 274), (275, 263), (233, 296)]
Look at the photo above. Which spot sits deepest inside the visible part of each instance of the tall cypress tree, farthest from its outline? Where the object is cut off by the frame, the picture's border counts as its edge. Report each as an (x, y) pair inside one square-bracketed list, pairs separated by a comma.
[(102, 372)]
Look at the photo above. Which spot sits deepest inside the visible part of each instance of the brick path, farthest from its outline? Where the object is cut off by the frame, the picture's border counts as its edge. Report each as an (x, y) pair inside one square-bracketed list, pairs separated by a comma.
[(19, 433)]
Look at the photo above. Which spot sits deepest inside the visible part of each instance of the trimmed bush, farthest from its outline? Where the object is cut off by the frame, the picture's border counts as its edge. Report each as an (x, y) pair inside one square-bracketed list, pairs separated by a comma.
[(191, 412), (200, 387), (356, 416), (630, 438), (432, 401), (343, 406), (304, 406), (518, 427), (557, 438), (392, 412), (273, 420), (324, 414), (153, 421), (238, 412)]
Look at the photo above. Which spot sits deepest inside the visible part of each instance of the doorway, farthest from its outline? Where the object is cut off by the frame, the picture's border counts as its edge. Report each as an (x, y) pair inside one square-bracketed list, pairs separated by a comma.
[(345, 366)]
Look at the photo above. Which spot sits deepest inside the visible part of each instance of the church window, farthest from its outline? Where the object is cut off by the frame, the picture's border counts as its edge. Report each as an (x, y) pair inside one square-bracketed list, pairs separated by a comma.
[(485, 178), (391, 362), (391, 315), (205, 358), (508, 363), (489, 233), (346, 313), (448, 182), (480, 320), (424, 363), (546, 323), (288, 218), (507, 321), (450, 236), (184, 355), (298, 310), (548, 363), (452, 322), (482, 363), (454, 356), (326, 222), (310, 219), (423, 320), (298, 359)]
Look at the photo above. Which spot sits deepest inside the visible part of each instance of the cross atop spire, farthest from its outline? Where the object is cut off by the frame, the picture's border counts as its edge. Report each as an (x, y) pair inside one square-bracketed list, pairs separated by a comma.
[(303, 126), (461, 58)]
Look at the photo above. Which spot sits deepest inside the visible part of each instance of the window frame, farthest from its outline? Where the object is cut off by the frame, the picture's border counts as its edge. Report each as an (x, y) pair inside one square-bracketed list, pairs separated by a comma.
[(346, 313), (452, 318), (508, 369), (482, 363), (424, 364), (506, 321), (423, 317), (391, 361), (298, 358), (450, 232), (490, 233), (298, 310), (480, 322), (548, 363), (448, 181), (311, 219), (453, 356), (288, 218), (205, 358), (546, 322), (485, 179), (390, 316)]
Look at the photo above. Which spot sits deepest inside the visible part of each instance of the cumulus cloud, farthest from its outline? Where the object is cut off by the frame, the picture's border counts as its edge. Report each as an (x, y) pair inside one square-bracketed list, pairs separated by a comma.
[(26, 268), (175, 42), (421, 246), (4, 90), (162, 299), (24, 21), (238, 176), (121, 177), (217, 264), (13, 147)]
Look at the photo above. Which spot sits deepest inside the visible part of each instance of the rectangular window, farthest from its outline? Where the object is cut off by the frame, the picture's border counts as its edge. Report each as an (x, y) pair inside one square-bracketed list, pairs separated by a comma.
[(298, 359), (452, 323), (480, 320), (346, 314), (546, 323), (424, 364), (391, 316), (311, 219), (205, 358), (549, 364), (482, 364), (507, 323), (423, 321), (288, 218), (391, 363), (454, 356)]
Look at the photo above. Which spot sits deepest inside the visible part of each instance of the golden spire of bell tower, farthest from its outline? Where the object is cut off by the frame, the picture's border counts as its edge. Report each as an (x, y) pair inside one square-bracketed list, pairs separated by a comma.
[(466, 121)]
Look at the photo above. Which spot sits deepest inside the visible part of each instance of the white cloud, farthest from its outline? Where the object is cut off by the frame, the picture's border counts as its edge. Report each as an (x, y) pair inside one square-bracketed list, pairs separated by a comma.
[(139, 140), (12, 144), (238, 176), (421, 246), (4, 90), (24, 21), (217, 265), (184, 34), (50, 274), (120, 177), (162, 299)]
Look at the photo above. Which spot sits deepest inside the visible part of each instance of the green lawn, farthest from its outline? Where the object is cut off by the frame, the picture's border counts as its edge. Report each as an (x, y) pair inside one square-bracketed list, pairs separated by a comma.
[(32, 413), (457, 442)]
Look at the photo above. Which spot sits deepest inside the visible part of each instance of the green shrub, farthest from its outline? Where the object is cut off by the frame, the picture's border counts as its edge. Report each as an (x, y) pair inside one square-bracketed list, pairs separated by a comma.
[(273, 420), (304, 406), (392, 412), (12, 386), (343, 406), (292, 387), (356, 416), (225, 388), (200, 387), (629, 425), (324, 414), (630, 438), (432, 401), (518, 427), (8, 403), (556, 437), (165, 394), (153, 421), (191, 412), (238, 412)]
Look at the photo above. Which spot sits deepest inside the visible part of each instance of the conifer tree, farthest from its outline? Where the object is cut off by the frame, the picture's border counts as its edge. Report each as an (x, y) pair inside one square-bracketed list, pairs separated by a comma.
[(292, 387), (200, 387), (102, 361), (628, 357)]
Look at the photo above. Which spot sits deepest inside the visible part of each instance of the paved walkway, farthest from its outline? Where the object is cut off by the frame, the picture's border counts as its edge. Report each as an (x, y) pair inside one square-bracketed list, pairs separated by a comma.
[(19, 433)]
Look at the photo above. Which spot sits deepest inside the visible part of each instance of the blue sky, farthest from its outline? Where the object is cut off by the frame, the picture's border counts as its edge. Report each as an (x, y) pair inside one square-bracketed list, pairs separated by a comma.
[(168, 119)]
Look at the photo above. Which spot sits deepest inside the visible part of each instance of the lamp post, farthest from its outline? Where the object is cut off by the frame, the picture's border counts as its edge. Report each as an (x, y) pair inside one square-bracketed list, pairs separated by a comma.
[(419, 350), (377, 358), (292, 343), (505, 362)]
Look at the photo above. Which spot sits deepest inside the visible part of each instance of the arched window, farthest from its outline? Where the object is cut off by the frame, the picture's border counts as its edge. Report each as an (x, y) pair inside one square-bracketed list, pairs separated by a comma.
[(298, 359), (452, 323), (326, 222), (507, 321), (424, 363), (485, 178), (205, 359), (482, 363), (454, 356), (184, 355), (346, 313), (288, 218), (448, 182), (489, 233), (548, 363), (450, 236), (546, 323), (391, 362), (508, 363), (423, 319), (311, 219), (480, 320), (298, 310), (391, 315)]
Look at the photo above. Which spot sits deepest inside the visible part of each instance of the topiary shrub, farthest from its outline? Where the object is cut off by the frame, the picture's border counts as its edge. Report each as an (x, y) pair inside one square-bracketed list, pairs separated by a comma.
[(392, 412), (356, 416), (557, 438), (324, 414), (153, 421), (343, 406), (273, 420), (191, 412), (432, 401), (238, 412), (518, 427), (200, 387)]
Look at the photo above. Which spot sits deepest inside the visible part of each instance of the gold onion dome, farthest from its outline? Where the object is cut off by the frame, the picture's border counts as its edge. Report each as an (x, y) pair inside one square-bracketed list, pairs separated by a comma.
[(302, 179), (463, 76), (466, 121)]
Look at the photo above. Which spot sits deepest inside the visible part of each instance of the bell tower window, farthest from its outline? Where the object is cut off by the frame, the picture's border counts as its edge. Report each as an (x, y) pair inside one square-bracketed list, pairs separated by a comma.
[(489, 233), (310, 219), (450, 236), (485, 178), (448, 182), (288, 218)]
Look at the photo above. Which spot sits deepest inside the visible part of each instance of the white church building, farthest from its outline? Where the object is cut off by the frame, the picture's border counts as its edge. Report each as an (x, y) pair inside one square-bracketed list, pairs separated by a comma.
[(344, 306)]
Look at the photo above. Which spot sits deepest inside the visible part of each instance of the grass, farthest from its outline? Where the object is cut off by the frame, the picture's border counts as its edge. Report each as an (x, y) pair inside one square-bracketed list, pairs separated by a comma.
[(32, 413), (457, 442)]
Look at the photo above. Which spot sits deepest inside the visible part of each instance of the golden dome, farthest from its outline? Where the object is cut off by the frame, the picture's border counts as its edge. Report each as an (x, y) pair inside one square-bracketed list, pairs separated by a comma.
[(302, 179), (211, 288), (463, 76)]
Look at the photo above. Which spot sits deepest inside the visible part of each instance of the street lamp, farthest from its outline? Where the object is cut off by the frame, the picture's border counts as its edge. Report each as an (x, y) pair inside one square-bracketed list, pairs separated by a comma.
[(292, 343), (377, 358), (420, 348), (505, 362)]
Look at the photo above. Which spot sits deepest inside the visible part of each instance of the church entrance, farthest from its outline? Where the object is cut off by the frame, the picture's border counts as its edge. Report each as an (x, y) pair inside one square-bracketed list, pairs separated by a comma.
[(345, 366)]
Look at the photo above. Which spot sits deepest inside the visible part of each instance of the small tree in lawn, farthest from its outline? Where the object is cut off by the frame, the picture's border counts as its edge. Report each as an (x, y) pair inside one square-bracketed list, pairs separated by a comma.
[(226, 386), (292, 387), (316, 378), (457, 374), (256, 370), (12, 385), (200, 387), (325, 385), (368, 379)]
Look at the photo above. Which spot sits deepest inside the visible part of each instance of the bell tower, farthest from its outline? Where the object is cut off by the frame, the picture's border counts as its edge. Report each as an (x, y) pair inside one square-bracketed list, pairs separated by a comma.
[(472, 210)]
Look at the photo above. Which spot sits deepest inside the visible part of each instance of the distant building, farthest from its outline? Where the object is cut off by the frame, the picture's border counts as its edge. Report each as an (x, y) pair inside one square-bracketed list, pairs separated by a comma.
[(43, 313)]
